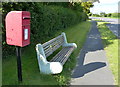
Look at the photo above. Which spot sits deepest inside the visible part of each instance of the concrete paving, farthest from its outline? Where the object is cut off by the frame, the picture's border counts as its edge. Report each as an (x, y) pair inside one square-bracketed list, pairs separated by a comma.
[(92, 67)]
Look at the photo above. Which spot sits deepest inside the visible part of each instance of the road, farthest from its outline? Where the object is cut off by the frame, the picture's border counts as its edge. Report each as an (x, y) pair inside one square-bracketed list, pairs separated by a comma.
[(114, 25), (111, 20)]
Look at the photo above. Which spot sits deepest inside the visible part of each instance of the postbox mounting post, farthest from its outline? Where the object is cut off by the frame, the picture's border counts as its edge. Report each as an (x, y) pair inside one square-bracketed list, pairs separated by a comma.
[(19, 67)]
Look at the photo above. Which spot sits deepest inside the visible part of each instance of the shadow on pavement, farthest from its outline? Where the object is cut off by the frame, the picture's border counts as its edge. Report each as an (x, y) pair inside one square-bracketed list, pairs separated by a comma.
[(82, 70)]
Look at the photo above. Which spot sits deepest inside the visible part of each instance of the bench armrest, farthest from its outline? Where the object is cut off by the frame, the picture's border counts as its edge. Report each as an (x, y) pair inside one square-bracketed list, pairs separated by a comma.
[(45, 66), (66, 44), (49, 67), (70, 44)]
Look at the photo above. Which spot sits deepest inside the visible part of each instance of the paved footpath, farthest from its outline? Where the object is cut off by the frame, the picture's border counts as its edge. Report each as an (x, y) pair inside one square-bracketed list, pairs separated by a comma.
[(92, 67)]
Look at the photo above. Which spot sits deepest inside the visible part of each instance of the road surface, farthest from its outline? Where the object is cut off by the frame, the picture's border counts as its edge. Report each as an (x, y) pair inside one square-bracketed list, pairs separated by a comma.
[(114, 25)]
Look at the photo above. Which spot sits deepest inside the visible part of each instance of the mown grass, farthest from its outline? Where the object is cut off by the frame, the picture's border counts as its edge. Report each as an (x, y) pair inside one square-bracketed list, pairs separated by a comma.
[(110, 42), (30, 70)]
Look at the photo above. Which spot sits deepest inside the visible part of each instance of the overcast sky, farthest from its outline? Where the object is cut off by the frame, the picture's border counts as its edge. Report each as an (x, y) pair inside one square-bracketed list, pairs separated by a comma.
[(107, 6)]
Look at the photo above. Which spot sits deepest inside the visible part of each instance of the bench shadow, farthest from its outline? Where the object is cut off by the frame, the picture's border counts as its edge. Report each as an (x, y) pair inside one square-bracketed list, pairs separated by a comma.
[(82, 70)]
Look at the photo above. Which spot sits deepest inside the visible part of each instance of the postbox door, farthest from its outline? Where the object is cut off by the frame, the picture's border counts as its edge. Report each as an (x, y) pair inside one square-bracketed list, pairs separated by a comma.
[(26, 28)]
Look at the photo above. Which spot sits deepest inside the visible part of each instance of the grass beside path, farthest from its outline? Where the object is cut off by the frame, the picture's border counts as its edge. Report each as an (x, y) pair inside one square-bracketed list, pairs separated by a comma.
[(31, 73), (110, 42)]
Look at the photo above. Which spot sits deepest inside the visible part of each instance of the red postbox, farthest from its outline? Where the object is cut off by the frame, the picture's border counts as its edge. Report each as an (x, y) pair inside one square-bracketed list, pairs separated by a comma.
[(18, 33), (18, 28)]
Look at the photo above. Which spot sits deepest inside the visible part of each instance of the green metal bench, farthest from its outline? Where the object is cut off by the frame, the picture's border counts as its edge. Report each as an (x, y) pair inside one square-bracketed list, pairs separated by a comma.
[(55, 65)]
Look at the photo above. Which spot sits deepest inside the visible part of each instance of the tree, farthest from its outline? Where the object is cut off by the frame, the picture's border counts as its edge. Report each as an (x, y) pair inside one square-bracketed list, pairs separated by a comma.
[(87, 6), (109, 15), (77, 6), (90, 14), (103, 14)]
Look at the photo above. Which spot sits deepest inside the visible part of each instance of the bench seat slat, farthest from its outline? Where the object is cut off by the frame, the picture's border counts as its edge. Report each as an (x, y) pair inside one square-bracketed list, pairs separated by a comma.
[(64, 58), (63, 55), (58, 55), (52, 45), (67, 56), (50, 41), (48, 53), (48, 44), (51, 50)]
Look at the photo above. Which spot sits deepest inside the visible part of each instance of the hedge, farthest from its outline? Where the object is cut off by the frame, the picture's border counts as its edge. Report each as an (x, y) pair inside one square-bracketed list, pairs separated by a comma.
[(45, 20), (117, 15)]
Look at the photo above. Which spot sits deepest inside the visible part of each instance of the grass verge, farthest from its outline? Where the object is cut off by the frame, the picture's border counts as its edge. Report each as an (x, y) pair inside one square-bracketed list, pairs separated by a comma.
[(110, 42), (30, 70)]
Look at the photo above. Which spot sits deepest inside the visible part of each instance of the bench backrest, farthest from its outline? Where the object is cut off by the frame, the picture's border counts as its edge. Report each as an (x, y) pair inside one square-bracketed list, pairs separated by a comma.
[(52, 45)]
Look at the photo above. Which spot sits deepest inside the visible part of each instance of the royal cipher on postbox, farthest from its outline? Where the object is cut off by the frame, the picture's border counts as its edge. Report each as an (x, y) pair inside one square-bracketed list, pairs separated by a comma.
[(18, 28)]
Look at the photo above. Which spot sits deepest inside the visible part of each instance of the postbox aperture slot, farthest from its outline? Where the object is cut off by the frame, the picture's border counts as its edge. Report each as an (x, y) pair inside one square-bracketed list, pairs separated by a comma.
[(26, 17)]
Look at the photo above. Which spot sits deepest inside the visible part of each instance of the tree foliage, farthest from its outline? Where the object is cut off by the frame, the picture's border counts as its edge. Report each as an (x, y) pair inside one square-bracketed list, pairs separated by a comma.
[(87, 6), (103, 14)]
